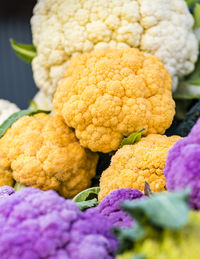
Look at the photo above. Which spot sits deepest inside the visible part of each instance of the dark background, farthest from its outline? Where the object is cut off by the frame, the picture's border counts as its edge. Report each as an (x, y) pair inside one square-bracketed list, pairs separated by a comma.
[(16, 79)]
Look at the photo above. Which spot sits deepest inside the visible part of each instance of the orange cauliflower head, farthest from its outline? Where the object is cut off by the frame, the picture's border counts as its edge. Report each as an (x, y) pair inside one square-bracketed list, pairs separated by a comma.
[(132, 165), (42, 152), (111, 93), (5, 174)]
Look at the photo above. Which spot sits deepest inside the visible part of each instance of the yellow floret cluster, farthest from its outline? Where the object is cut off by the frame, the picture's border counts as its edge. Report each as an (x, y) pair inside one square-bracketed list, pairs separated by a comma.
[(105, 96), (132, 165), (111, 93), (42, 152), (183, 244)]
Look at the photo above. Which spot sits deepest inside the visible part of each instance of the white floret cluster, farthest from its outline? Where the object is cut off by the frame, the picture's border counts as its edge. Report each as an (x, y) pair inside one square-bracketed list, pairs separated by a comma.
[(6, 109), (43, 101)]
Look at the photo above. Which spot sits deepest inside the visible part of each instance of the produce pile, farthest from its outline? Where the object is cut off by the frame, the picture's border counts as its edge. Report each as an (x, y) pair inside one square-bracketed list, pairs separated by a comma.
[(105, 161)]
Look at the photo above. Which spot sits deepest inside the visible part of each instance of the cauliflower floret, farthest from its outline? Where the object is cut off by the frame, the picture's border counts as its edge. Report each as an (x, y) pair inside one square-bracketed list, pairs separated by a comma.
[(65, 28), (6, 177), (111, 93), (42, 152), (43, 101), (6, 109), (183, 166), (110, 206), (6, 191), (38, 225), (132, 165)]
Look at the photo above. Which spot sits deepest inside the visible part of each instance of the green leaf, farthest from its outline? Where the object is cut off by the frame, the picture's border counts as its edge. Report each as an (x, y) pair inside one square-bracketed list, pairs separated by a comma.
[(190, 3), (82, 205), (195, 81), (190, 87), (33, 105), (195, 74), (165, 210), (196, 16), (187, 91), (15, 116), (134, 137), (84, 200), (23, 51), (127, 236), (83, 196), (19, 186), (139, 256)]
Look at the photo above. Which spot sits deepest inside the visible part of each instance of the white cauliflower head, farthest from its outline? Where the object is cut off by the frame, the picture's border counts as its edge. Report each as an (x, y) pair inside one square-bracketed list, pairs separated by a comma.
[(6, 109), (43, 101), (65, 28)]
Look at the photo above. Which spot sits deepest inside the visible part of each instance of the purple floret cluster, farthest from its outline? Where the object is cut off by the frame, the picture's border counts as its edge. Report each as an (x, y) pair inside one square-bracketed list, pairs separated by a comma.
[(35, 224), (6, 191), (183, 166), (111, 209)]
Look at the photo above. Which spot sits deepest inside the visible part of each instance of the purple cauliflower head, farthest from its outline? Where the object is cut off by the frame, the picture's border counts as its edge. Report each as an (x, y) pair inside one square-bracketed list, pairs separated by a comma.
[(6, 191), (35, 224), (110, 206), (183, 166)]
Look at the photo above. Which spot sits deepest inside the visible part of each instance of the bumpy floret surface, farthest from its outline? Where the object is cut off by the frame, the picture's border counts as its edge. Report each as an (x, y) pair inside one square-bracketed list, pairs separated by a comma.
[(132, 165), (110, 206), (66, 28), (43, 101), (183, 166), (111, 93), (42, 152), (6, 109), (36, 224), (6, 191)]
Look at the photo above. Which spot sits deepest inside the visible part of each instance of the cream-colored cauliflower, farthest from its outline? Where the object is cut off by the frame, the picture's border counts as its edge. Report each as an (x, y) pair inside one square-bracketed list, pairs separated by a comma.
[(66, 28), (132, 165), (43, 101), (42, 152), (110, 93), (6, 109)]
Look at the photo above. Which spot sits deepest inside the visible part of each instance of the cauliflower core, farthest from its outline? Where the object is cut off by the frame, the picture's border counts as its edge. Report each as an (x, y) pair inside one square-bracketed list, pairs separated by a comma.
[(66, 28), (132, 165), (111, 93), (42, 152)]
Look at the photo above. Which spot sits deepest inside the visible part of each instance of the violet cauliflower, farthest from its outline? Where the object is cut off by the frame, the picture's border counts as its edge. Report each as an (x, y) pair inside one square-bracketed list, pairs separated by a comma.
[(111, 209), (35, 224), (183, 166), (6, 191)]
